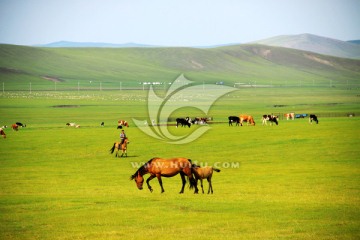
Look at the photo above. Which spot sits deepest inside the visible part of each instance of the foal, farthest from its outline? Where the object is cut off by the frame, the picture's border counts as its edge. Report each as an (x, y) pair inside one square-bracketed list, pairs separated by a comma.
[(202, 173)]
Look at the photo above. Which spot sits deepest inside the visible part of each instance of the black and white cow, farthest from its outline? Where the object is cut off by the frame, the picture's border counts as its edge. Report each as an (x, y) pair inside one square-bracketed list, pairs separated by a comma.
[(20, 124), (183, 121), (313, 117), (271, 118), (234, 119)]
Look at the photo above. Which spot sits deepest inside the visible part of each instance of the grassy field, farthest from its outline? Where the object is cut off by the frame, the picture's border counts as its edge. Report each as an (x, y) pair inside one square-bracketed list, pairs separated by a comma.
[(291, 181)]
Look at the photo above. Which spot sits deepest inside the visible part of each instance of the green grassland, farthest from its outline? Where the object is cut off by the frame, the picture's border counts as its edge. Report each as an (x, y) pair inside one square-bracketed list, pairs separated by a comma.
[(87, 68), (291, 181)]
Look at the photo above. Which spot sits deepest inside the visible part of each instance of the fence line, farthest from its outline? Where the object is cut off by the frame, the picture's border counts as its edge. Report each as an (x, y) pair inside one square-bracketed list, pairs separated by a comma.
[(113, 86)]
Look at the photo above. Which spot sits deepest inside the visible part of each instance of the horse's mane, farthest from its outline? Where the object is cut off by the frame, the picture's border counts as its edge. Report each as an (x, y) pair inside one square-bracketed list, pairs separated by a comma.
[(142, 169)]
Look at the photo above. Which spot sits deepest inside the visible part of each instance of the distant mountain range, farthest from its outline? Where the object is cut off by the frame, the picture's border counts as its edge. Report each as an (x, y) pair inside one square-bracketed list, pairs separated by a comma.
[(67, 44), (305, 42), (317, 44)]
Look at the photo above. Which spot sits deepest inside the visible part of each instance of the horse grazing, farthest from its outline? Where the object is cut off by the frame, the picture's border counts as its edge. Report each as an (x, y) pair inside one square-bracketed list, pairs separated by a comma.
[(122, 123), (2, 133), (313, 117), (118, 146), (202, 173), (234, 119), (159, 167), (248, 119)]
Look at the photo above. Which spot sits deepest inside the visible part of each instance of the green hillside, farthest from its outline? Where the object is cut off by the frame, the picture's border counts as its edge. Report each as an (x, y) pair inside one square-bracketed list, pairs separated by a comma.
[(247, 64)]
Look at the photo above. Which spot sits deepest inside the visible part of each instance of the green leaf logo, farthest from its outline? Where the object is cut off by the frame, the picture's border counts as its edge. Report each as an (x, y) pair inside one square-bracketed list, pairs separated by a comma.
[(179, 95)]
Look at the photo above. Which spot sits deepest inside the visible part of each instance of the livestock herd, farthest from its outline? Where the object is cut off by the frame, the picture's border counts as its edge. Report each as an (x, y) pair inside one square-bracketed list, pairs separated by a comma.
[(14, 127), (239, 121)]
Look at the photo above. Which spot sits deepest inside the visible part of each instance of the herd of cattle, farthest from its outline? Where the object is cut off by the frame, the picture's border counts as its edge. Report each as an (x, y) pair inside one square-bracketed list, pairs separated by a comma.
[(14, 127), (273, 119)]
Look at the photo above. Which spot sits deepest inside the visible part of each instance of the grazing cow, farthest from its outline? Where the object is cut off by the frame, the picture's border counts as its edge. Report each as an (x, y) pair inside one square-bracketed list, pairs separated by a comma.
[(71, 124), (313, 117), (234, 119), (271, 118), (15, 127), (289, 116), (199, 120), (248, 119), (122, 123), (20, 124), (183, 121), (2, 133)]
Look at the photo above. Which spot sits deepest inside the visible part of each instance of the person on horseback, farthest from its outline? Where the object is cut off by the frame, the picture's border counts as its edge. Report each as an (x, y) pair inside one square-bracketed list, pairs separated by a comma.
[(122, 137)]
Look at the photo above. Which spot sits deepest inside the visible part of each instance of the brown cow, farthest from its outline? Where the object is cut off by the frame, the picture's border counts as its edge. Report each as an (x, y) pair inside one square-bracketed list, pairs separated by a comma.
[(289, 116), (248, 119), (15, 127), (122, 123)]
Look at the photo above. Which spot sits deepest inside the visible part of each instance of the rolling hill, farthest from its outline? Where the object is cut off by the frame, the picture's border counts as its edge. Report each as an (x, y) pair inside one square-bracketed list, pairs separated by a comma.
[(314, 43), (248, 64)]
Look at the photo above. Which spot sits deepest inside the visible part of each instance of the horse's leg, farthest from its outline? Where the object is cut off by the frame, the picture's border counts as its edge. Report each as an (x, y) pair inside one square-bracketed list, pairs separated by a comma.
[(183, 182), (196, 180), (147, 182), (160, 182), (122, 152), (191, 179), (210, 185), (201, 182)]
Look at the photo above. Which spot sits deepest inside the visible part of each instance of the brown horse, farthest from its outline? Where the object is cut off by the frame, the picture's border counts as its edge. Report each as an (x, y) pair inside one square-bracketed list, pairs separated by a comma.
[(118, 146), (248, 119), (202, 173), (122, 123), (159, 167), (2, 133)]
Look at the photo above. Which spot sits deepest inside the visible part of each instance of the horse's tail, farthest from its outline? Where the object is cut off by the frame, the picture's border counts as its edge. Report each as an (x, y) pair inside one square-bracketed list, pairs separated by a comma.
[(113, 148), (216, 169), (192, 182)]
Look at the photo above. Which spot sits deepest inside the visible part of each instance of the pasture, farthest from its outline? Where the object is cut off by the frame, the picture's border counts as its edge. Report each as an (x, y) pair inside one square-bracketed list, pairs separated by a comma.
[(291, 181)]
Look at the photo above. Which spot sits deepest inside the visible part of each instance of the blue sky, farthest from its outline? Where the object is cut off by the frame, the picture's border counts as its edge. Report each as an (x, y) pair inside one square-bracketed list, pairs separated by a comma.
[(174, 23)]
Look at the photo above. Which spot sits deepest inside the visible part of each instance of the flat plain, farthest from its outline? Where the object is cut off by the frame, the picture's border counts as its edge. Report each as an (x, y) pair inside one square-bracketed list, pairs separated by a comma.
[(292, 181)]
